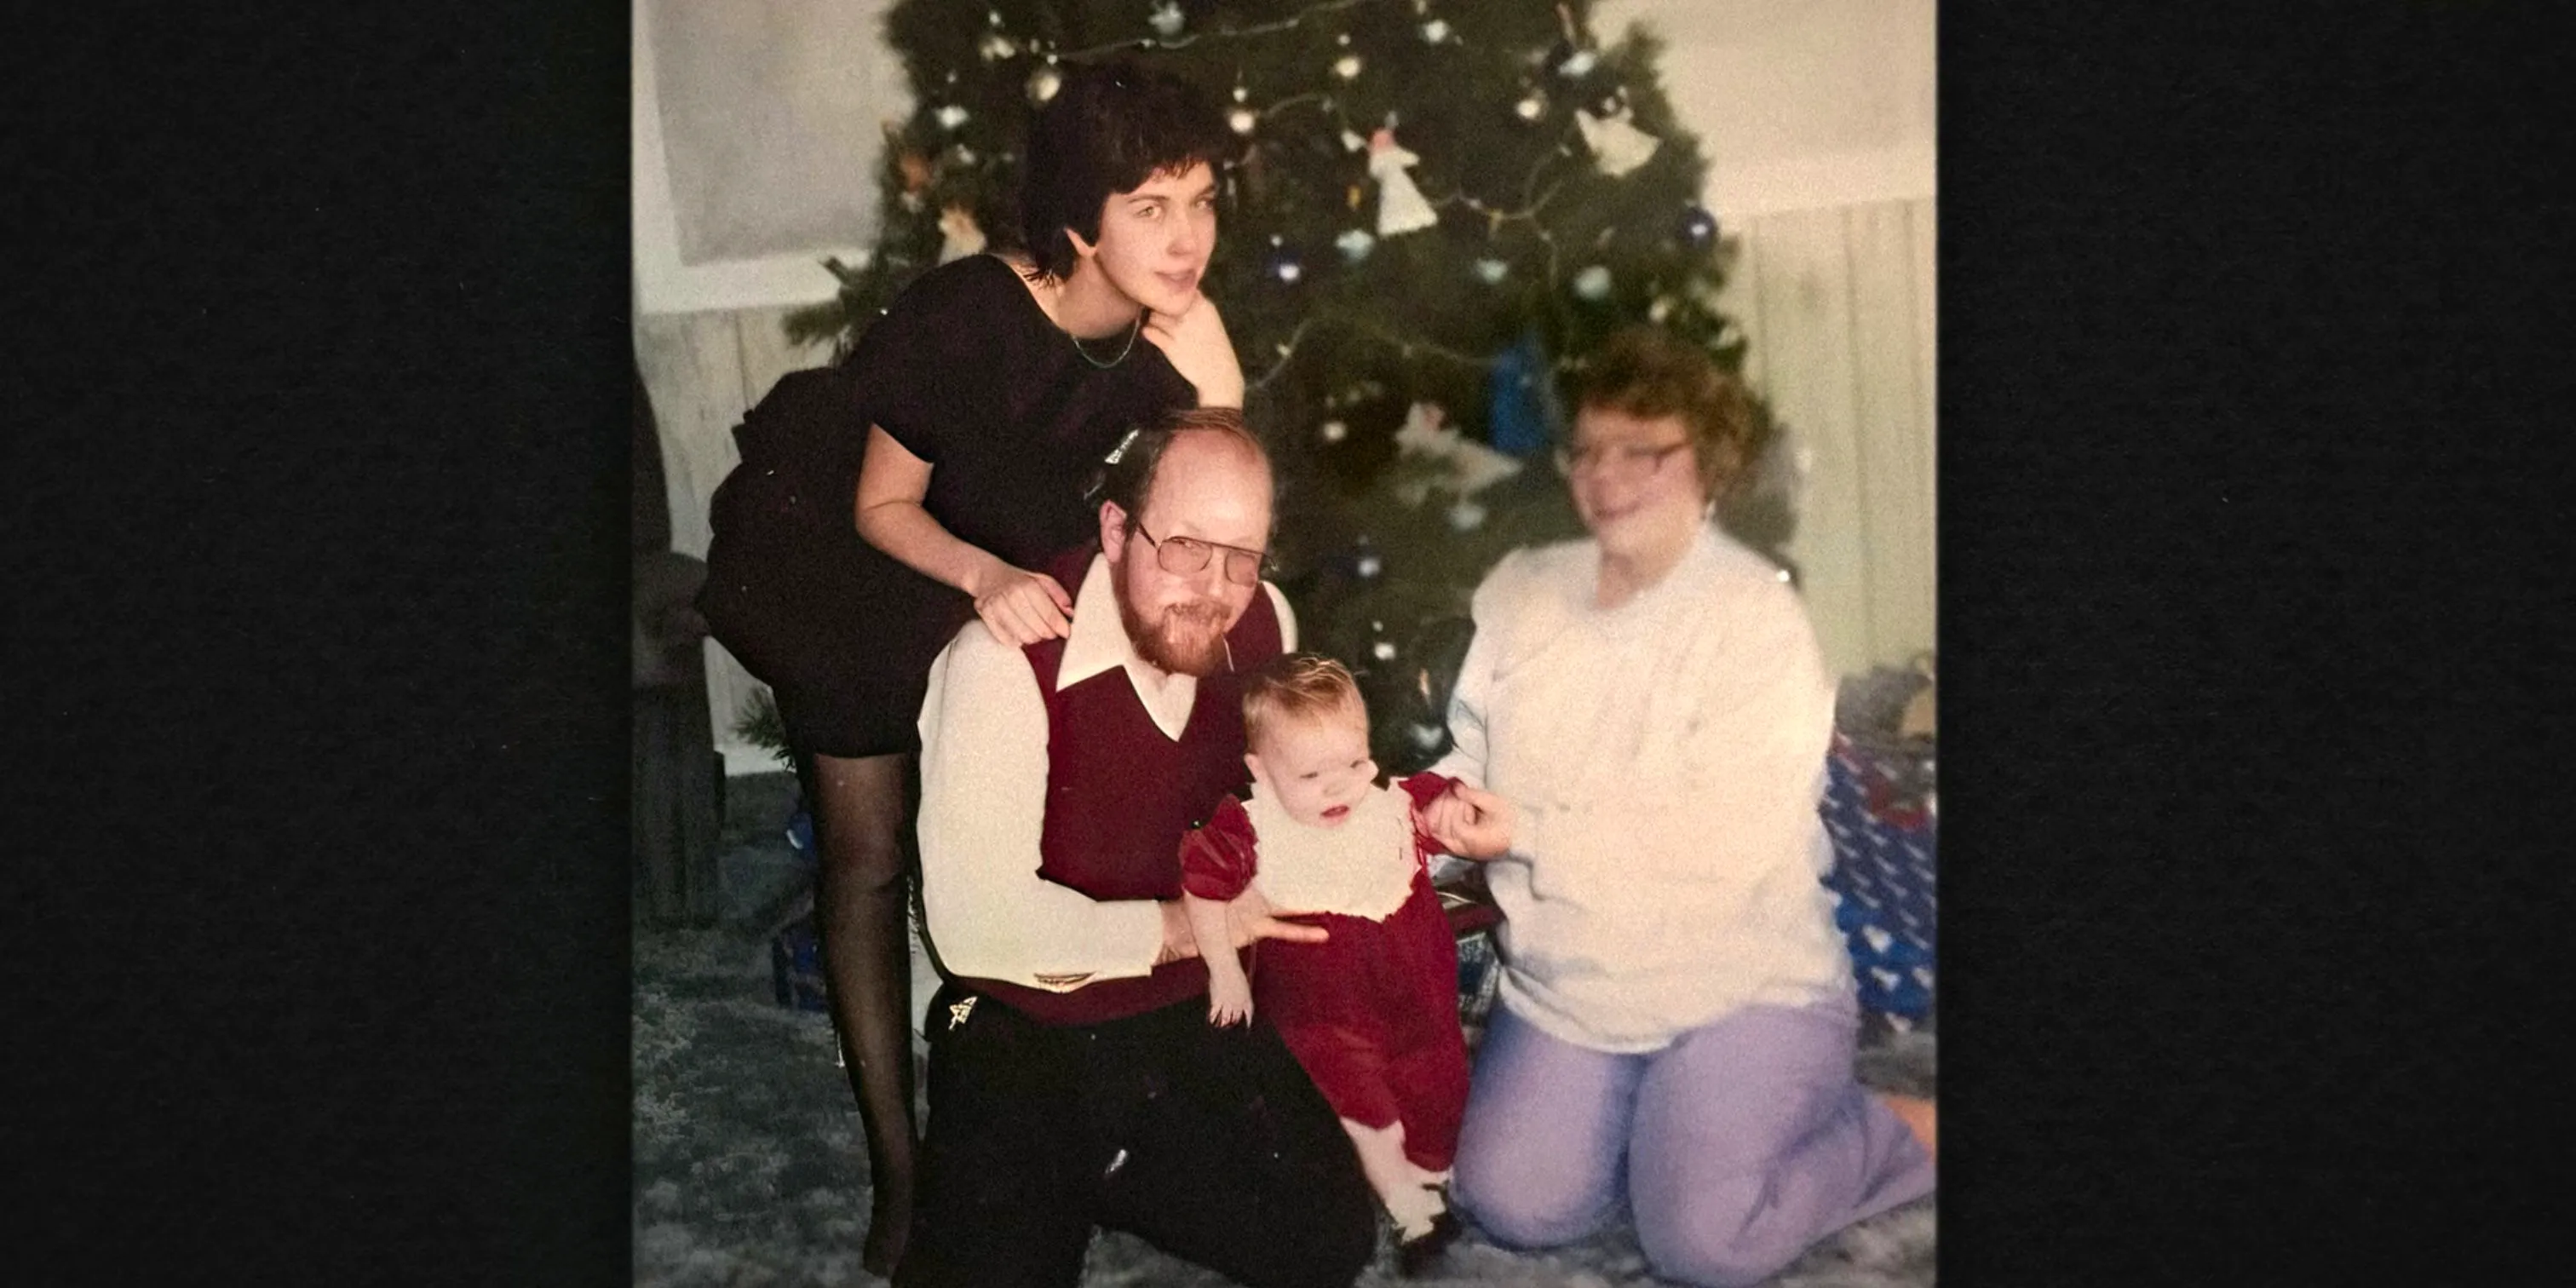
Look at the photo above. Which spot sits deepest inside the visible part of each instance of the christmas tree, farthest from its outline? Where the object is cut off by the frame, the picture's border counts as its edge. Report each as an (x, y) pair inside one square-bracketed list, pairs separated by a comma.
[(1440, 206)]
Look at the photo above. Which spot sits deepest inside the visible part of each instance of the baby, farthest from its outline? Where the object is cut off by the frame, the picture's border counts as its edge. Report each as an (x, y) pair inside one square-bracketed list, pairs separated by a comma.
[(1372, 1012)]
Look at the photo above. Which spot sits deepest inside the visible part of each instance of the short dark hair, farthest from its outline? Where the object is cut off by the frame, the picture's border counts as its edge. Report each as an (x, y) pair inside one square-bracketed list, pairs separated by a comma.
[(1109, 128), (1645, 372), (1129, 480)]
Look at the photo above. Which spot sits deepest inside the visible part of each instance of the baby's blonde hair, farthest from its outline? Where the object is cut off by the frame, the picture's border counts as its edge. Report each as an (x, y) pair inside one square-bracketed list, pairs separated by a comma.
[(1298, 686)]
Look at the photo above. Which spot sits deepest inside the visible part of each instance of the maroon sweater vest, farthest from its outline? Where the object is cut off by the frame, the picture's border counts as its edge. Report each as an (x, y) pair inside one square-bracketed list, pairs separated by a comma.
[(1120, 796)]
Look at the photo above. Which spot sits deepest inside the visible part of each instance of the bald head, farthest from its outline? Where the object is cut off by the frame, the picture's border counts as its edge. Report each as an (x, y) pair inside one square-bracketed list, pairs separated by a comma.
[(1204, 469), (1131, 476)]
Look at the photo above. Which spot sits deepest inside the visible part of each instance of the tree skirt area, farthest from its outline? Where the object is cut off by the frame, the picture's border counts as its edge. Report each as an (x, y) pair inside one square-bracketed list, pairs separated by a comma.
[(749, 1168)]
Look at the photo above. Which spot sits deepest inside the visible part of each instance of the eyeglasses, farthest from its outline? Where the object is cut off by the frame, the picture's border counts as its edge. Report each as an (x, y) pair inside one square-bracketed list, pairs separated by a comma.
[(1625, 460), (1183, 556)]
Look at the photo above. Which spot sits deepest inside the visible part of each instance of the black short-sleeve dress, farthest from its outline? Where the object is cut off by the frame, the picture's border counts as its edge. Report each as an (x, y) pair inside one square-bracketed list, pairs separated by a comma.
[(967, 372)]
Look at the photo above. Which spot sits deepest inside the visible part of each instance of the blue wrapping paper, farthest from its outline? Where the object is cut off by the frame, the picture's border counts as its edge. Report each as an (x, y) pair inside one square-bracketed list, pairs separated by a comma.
[(1886, 861)]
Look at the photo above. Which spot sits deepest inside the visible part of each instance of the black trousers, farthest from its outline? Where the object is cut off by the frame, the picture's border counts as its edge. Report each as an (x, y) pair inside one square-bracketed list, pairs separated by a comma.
[(1208, 1143)]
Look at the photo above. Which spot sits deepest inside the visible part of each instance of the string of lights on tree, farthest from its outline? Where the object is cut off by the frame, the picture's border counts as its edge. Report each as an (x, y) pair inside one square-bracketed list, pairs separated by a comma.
[(1440, 205)]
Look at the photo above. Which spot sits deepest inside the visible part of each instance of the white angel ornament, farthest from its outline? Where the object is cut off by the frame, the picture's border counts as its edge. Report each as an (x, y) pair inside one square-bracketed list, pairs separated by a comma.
[(1471, 467), (1400, 207), (1617, 146)]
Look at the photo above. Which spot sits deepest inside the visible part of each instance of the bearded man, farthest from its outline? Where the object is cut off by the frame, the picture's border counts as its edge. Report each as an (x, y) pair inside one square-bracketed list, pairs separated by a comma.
[(1074, 1080)]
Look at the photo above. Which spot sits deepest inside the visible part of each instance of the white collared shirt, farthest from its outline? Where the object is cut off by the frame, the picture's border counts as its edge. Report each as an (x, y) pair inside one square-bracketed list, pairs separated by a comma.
[(1363, 868), (983, 803), (1098, 641)]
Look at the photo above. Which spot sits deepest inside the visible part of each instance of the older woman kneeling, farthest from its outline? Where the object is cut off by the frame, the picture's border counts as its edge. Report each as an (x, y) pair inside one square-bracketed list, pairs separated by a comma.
[(1647, 715)]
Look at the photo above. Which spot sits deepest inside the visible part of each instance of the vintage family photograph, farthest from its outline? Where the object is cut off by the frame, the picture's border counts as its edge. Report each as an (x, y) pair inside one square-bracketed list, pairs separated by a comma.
[(1284, 642)]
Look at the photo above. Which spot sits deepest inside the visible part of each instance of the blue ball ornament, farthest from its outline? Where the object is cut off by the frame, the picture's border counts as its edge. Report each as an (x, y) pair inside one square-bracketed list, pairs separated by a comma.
[(1520, 417)]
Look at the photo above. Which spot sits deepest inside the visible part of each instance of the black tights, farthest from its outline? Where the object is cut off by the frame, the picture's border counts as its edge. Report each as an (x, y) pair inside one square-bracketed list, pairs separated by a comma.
[(862, 810)]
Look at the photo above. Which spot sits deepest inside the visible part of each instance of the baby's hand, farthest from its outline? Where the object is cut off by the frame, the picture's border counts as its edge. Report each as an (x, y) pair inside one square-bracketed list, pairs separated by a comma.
[(1444, 818), (1229, 1002), (1469, 823)]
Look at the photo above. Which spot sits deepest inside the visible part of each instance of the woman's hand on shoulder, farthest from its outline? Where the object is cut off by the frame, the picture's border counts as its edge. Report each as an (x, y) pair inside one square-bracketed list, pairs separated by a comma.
[(1021, 607), (1196, 343)]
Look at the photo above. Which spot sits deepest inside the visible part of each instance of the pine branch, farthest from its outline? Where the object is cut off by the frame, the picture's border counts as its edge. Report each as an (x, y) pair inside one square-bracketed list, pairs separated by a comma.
[(1229, 33)]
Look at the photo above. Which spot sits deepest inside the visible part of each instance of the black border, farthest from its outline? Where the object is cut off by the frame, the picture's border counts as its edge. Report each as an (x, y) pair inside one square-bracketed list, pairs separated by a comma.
[(322, 672), (2251, 537), (2248, 393)]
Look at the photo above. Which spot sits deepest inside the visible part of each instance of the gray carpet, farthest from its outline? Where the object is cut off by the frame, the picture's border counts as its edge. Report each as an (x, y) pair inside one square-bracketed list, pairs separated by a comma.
[(749, 1169)]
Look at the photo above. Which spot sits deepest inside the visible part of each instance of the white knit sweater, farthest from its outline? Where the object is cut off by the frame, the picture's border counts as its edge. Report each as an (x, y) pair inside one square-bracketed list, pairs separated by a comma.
[(1666, 758)]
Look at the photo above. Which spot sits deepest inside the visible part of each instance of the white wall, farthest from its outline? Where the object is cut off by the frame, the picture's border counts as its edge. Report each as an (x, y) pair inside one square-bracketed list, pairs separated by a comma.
[(1799, 104), (782, 98), (1816, 118), (779, 98)]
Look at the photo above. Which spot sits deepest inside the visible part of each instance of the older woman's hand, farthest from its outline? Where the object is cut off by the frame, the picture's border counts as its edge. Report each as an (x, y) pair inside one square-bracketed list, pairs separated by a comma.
[(1470, 822)]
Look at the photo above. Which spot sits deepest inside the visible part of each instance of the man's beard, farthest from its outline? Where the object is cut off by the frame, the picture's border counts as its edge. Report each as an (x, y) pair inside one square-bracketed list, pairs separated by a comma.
[(1187, 639)]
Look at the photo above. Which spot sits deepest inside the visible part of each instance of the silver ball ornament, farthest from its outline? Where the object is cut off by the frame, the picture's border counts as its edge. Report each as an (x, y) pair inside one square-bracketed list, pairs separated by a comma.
[(1043, 83)]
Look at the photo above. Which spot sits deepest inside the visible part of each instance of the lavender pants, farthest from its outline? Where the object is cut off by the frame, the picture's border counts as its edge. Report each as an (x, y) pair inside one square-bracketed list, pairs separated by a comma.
[(1737, 1147)]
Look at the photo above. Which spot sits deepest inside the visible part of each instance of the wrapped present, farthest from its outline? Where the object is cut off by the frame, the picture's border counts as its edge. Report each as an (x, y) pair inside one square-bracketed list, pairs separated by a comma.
[(1472, 918), (1880, 811), (1479, 974), (796, 968), (800, 836)]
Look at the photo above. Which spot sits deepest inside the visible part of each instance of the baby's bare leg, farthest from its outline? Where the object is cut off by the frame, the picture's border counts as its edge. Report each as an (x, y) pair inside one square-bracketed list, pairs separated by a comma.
[(1400, 1185)]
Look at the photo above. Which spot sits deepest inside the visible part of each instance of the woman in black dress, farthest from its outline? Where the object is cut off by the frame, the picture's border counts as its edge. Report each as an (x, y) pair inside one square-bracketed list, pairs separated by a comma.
[(991, 390)]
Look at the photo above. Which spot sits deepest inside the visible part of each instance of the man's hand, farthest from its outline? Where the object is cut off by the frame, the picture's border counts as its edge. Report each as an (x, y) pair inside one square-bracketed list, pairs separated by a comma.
[(1020, 607), (1178, 940), (1470, 822), (1196, 342), (1251, 917)]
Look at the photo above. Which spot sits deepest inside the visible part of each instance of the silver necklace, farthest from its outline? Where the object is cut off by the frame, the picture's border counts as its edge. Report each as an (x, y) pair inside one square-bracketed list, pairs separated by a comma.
[(1132, 329)]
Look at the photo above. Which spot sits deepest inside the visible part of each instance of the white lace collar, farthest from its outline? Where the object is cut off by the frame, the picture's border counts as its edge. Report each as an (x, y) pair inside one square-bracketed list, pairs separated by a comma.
[(1364, 868)]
